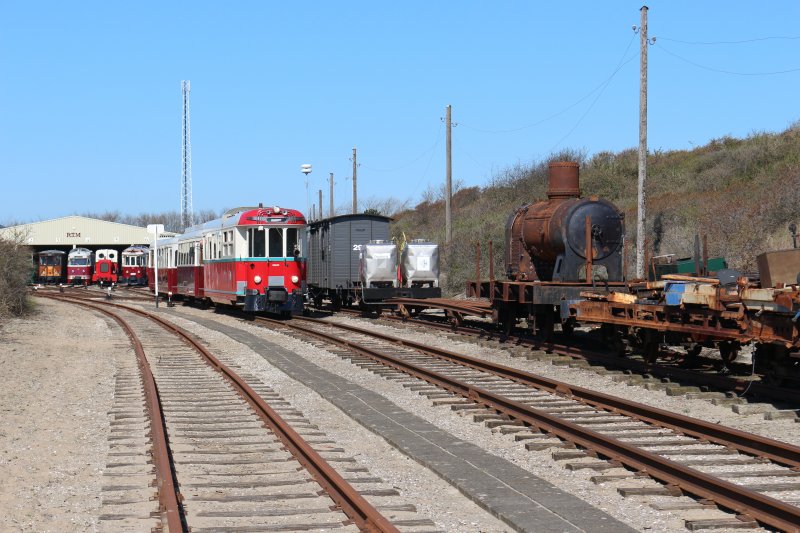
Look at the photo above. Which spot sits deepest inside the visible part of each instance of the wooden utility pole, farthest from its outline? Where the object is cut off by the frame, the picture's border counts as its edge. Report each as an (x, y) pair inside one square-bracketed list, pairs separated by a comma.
[(640, 241), (448, 189), (355, 176), (320, 204), (331, 210)]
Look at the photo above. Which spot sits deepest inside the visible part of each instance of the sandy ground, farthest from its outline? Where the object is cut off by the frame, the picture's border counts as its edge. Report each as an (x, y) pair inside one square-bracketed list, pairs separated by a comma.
[(56, 391)]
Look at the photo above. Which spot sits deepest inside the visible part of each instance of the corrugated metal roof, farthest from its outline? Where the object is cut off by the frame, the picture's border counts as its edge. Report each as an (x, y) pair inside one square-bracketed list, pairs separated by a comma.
[(77, 230)]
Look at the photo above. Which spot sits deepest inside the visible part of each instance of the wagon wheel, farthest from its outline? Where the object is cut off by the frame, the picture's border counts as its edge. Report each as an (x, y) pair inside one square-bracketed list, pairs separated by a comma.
[(507, 320), (619, 346), (568, 326), (651, 346), (728, 350), (694, 349), (547, 325)]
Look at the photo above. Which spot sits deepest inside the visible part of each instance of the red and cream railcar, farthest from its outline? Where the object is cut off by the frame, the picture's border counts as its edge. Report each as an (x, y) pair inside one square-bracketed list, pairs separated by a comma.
[(134, 265), (252, 257), (165, 252), (79, 266), (106, 266), (256, 259), (189, 265)]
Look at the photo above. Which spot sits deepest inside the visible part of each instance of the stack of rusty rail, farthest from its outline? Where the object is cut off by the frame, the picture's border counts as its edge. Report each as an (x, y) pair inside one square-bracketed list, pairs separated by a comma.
[(455, 309), (699, 309)]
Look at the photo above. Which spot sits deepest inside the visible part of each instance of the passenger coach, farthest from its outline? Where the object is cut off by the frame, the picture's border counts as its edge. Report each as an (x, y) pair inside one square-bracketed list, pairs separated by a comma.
[(251, 257)]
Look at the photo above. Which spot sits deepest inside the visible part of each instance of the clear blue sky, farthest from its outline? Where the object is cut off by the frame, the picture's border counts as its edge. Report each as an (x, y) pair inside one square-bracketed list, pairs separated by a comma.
[(90, 101)]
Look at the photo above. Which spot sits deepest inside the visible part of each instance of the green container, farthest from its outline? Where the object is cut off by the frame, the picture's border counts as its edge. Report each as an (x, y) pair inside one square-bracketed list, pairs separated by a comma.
[(686, 267)]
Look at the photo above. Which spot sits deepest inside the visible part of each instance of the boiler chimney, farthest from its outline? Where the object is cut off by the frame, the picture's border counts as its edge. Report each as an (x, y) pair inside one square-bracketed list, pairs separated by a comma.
[(564, 180)]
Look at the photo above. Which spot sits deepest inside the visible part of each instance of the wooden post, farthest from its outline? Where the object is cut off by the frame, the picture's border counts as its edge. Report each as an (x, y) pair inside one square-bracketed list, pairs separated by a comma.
[(478, 269), (640, 204), (448, 189), (330, 213), (355, 177), (697, 271), (491, 269)]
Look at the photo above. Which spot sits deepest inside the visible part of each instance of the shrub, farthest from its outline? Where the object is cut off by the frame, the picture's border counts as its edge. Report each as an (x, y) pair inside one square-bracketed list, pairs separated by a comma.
[(16, 268)]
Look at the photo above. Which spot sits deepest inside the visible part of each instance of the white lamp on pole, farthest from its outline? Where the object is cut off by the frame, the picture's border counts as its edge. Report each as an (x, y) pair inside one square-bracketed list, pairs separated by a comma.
[(306, 169), (155, 229)]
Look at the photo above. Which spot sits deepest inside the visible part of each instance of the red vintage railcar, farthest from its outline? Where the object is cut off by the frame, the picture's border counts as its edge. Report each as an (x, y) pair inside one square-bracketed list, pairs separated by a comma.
[(134, 265), (79, 266), (251, 257), (189, 266), (106, 266), (165, 276)]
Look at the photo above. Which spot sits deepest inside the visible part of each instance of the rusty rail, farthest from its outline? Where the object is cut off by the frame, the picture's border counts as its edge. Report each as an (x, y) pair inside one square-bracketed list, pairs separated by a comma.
[(465, 307), (358, 509), (168, 497), (717, 381), (764, 509)]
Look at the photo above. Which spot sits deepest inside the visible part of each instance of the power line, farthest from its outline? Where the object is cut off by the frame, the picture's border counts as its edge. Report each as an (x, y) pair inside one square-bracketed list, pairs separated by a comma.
[(599, 87), (622, 62), (428, 166), (722, 71), (420, 156), (744, 41), (591, 106)]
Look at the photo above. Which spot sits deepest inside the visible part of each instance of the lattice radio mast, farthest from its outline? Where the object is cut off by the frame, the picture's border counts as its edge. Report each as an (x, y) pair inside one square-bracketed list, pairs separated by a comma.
[(187, 214)]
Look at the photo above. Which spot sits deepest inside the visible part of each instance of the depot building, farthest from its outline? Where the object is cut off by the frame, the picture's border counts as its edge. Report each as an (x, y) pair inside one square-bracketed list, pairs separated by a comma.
[(70, 232)]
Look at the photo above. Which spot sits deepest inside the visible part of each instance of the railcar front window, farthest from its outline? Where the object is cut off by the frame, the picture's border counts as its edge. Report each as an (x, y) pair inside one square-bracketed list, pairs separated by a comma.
[(276, 242), (292, 242), (258, 242)]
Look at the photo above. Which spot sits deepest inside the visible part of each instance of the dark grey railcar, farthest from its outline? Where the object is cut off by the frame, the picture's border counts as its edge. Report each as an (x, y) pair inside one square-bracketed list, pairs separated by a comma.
[(334, 245)]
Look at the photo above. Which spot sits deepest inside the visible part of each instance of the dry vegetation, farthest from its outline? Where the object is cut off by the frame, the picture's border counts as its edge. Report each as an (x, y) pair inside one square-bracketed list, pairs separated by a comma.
[(16, 269), (741, 193)]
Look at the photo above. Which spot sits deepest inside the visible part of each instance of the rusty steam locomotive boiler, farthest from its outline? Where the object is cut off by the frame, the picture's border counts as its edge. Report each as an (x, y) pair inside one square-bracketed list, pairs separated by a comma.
[(547, 240)]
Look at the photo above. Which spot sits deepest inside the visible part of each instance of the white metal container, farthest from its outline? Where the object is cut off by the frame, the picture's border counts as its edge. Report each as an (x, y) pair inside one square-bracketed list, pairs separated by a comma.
[(420, 264), (379, 264)]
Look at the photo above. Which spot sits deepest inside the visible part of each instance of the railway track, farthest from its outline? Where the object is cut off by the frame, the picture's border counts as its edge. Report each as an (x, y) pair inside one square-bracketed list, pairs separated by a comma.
[(737, 471), (706, 376), (229, 453)]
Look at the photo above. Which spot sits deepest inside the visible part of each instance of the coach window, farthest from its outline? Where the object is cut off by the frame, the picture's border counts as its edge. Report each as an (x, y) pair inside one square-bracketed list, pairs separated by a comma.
[(275, 242)]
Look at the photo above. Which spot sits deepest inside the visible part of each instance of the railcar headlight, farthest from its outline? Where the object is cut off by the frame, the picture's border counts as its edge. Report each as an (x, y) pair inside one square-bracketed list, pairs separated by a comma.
[(257, 280), (295, 279)]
